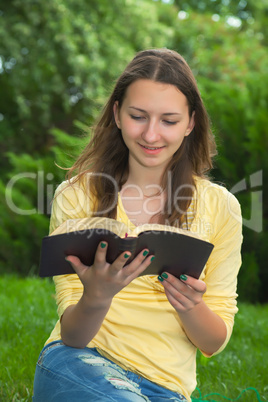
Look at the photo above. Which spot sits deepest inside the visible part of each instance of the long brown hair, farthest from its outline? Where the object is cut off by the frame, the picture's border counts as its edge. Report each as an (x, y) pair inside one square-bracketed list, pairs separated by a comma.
[(106, 155)]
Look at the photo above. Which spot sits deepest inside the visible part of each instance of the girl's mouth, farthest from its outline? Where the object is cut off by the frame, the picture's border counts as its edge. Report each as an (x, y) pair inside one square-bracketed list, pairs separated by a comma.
[(151, 150)]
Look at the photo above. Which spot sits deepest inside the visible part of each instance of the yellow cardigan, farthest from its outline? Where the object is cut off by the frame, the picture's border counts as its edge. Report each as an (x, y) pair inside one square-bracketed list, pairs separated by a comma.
[(142, 332)]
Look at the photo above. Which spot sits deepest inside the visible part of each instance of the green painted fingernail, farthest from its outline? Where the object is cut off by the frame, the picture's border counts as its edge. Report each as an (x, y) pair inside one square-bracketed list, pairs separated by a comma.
[(153, 257), (183, 277), (145, 253), (164, 275), (103, 245), (126, 255), (160, 278)]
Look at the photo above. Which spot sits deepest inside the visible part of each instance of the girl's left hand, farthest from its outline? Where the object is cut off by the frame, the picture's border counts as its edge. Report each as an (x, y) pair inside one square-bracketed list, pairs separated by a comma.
[(183, 294)]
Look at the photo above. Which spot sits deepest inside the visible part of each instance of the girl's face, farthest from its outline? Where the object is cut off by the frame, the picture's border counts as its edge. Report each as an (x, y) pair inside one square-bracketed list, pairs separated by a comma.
[(154, 119)]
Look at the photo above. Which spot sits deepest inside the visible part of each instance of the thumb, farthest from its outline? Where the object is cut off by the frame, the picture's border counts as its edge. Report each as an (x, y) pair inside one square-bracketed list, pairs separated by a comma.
[(76, 264)]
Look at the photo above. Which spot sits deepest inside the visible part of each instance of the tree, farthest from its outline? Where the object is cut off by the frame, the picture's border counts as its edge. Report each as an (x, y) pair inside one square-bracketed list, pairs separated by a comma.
[(58, 60), (247, 15), (231, 68)]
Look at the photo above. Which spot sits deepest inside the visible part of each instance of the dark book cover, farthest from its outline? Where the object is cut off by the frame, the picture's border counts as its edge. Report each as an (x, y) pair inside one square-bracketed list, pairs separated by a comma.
[(175, 253)]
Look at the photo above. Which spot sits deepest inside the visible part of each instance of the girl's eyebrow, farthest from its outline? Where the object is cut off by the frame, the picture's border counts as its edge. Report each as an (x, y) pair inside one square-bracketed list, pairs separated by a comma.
[(144, 111)]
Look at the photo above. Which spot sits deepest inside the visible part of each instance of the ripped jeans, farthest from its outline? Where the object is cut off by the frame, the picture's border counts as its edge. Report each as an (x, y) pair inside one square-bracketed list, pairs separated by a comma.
[(65, 374)]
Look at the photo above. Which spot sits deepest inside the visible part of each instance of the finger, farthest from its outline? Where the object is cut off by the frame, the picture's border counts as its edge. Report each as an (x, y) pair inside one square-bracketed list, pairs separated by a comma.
[(182, 294), (179, 302), (139, 264), (119, 263), (76, 264), (100, 255), (196, 284), (193, 283), (179, 296)]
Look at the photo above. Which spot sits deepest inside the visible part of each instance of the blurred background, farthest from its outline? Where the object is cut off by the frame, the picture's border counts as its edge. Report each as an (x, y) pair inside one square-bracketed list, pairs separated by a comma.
[(58, 63)]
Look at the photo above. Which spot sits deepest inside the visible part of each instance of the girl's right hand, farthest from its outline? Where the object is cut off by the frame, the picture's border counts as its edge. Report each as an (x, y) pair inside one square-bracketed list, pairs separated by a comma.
[(102, 281)]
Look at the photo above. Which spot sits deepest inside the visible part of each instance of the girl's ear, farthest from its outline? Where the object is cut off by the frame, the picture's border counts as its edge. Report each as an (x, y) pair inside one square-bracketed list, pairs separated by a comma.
[(116, 114), (191, 125)]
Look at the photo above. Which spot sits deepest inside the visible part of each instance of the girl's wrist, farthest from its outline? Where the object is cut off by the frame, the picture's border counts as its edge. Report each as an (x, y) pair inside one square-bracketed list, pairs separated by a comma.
[(90, 302)]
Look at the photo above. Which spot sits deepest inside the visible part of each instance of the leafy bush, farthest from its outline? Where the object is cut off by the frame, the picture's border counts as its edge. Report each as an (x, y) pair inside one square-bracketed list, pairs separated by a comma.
[(25, 201), (56, 69)]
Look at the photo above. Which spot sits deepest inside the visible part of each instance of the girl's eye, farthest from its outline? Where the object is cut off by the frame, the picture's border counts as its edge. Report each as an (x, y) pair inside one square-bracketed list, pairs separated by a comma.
[(136, 117), (170, 123), (141, 118)]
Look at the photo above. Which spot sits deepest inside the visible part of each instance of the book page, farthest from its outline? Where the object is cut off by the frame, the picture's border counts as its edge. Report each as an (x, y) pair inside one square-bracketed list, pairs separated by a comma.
[(157, 227), (119, 228), (75, 225)]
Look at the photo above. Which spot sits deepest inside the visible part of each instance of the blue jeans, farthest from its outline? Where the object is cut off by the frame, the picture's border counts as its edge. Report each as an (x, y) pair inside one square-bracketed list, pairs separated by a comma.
[(65, 374)]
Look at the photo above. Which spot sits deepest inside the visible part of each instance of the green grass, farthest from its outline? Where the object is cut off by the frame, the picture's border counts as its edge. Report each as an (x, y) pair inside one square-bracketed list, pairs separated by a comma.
[(28, 314), (244, 362)]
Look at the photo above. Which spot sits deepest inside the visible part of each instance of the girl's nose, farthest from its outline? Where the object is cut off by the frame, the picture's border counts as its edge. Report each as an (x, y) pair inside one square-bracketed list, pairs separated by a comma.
[(151, 132)]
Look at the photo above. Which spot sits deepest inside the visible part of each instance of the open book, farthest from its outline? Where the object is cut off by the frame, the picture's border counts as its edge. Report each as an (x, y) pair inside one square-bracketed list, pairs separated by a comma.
[(176, 251)]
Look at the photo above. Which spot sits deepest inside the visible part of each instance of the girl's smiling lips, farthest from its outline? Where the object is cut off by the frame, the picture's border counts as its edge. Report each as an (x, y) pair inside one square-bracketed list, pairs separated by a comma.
[(151, 150)]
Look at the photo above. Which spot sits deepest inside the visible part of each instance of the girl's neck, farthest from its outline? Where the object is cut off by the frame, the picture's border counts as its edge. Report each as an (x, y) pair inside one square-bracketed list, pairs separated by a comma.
[(147, 179), (147, 185)]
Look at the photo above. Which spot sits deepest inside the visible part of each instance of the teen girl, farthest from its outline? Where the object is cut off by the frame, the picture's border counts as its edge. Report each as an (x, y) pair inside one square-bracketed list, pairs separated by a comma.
[(121, 337)]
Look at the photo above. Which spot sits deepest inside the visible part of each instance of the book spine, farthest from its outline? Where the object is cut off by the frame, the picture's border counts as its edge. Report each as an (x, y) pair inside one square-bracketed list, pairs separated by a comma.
[(128, 244)]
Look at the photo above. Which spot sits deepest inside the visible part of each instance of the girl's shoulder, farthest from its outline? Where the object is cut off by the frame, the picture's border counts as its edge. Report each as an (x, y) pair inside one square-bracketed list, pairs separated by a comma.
[(208, 188), (215, 197), (217, 211), (75, 193), (74, 186)]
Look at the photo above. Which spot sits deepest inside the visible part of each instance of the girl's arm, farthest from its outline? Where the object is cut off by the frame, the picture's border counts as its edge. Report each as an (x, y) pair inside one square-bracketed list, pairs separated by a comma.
[(102, 281), (205, 329), (206, 309)]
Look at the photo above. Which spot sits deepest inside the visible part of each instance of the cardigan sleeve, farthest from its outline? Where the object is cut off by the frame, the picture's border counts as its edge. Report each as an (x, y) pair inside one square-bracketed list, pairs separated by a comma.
[(221, 271), (70, 202)]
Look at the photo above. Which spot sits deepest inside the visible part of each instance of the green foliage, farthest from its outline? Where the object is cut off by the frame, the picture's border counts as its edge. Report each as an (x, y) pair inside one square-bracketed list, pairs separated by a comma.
[(58, 67), (249, 280), (25, 200), (231, 69), (55, 69), (58, 61), (248, 15)]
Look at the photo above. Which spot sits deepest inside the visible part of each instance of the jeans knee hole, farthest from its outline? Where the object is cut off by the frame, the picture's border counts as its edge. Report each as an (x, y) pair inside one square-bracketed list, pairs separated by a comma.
[(126, 384), (93, 360)]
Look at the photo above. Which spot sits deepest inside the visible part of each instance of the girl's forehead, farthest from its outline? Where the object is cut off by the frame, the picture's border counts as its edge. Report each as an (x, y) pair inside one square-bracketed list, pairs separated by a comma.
[(144, 93)]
